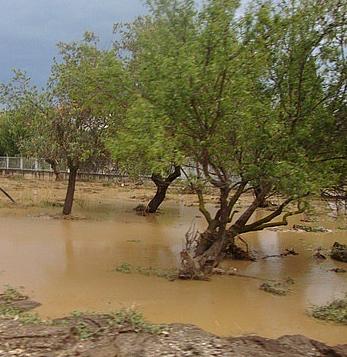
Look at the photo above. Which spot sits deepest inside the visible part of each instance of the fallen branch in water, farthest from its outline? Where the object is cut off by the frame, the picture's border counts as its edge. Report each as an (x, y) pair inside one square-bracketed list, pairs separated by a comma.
[(285, 254), (250, 277), (232, 272), (7, 195)]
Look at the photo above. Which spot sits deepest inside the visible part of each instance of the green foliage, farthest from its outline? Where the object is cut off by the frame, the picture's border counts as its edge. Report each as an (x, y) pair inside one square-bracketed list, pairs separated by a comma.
[(10, 136), (76, 313), (29, 318), (124, 268), (83, 102), (134, 319), (84, 331), (253, 96), (280, 288), (7, 310), (10, 294), (127, 268), (142, 146), (336, 311)]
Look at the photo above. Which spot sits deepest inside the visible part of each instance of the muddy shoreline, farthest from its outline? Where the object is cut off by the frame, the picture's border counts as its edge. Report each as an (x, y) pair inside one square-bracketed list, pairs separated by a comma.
[(126, 335), (53, 340)]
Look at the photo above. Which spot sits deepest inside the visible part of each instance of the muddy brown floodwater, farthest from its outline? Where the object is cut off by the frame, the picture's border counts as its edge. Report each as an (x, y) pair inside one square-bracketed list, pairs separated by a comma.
[(68, 265)]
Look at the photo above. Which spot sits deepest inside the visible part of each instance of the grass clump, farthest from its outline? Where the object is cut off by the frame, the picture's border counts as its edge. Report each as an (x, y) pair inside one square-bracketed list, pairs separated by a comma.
[(84, 331), (170, 274), (7, 311), (135, 320), (335, 311), (8, 308), (28, 318), (48, 204), (124, 268), (10, 294), (280, 288), (273, 288)]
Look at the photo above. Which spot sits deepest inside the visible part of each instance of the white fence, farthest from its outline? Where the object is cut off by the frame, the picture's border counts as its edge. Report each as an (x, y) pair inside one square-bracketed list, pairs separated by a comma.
[(24, 164), (35, 166)]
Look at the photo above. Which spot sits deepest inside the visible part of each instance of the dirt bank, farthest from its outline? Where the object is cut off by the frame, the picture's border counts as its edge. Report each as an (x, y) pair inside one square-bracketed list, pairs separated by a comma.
[(95, 336), (126, 333)]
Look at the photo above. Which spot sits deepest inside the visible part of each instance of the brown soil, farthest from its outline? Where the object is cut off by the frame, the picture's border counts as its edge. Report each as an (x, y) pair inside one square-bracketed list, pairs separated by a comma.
[(63, 340), (31, 194), (91, 335)]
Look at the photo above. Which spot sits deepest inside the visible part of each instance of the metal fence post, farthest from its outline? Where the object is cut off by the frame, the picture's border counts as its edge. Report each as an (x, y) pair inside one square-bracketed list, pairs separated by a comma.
[(7, 162)]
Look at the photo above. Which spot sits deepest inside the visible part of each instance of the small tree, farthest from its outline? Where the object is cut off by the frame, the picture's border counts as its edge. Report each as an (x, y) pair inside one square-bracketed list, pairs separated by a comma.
[(84, 102), (251, 99)]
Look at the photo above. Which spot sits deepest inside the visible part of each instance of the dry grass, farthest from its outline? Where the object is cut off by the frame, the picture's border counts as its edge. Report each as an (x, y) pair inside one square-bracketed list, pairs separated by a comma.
[(32, 195)]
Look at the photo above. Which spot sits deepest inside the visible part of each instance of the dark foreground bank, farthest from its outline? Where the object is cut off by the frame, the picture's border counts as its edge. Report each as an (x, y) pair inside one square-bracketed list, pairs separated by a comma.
[(125, 333), (102, 339)]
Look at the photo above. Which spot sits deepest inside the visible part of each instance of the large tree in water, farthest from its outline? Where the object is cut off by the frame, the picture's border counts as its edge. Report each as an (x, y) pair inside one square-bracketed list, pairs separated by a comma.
[(84, 102), (251, 99)]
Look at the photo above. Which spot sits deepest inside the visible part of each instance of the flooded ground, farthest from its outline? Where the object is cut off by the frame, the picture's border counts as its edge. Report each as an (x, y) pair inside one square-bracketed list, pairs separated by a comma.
[(69, 265)]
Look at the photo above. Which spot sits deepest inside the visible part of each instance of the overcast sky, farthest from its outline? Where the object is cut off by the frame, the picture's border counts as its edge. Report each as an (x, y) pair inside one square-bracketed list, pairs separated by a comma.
[(30, 29)]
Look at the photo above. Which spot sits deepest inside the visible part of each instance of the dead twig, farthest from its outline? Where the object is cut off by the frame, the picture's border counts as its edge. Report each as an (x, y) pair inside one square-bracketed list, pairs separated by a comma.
[(7, 195), (285, 254)]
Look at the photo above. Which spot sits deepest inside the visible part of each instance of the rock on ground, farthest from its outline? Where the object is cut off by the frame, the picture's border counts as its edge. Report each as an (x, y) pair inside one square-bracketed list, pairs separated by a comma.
[(339, 252)]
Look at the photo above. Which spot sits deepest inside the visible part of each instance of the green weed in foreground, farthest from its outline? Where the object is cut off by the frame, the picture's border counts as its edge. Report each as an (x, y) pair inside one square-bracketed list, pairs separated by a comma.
[(127, 318), (84, 331), (135, 320), (336, 311), (10, 294), (27, 318), (8, 311)]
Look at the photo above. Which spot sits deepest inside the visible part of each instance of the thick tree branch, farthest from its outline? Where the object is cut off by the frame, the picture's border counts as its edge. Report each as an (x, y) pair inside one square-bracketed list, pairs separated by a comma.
[(269, 218), (240, 223), (284, 221), (202, 207)]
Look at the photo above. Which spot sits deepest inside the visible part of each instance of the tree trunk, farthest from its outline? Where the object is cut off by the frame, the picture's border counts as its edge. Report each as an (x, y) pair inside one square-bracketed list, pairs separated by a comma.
[(262, 201), (162, 186), (206, 238), (201, 265), (70, 191), (159, 197), (55, 169)]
